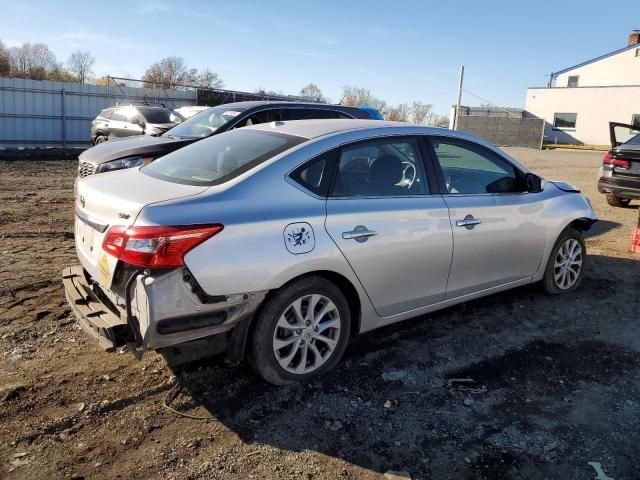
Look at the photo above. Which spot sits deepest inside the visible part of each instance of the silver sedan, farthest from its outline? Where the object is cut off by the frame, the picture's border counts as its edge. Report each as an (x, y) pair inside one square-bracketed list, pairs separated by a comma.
[(279, 242)]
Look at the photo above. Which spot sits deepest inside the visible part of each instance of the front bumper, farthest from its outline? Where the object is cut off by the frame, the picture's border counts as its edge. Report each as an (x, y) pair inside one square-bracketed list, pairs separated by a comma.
[(619, 187), (94, 316)]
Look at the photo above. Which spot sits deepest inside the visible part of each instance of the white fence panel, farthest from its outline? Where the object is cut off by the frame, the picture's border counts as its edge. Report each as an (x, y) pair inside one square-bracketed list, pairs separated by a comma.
[(55, 114)]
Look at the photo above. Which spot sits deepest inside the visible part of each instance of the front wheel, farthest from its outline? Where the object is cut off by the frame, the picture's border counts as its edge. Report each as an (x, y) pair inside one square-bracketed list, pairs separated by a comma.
[(617, 201), (302, 331), (99, 139), (565, 268)]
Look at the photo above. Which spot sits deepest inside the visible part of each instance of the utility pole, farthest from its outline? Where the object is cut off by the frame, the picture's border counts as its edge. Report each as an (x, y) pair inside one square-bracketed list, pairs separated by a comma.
[(455, 120)]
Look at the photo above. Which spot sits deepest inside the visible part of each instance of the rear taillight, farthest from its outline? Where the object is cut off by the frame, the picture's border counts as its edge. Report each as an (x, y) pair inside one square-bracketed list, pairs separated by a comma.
[(156, 247), (616, 162), (621, 163)]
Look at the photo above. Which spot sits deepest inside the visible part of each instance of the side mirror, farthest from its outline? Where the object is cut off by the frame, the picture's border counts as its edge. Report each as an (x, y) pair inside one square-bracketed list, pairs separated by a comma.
[(534, 183)]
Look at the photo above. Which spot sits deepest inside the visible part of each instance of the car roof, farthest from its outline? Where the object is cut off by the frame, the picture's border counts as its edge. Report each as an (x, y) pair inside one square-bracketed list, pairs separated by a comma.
[(276, 103), (311, 129), (138, 107), (318, 128)]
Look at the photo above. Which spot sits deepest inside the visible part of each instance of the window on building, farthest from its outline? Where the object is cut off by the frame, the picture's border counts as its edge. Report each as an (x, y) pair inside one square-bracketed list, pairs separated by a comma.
[(637, 52), (573, 81), (635, 120), (565, 120)]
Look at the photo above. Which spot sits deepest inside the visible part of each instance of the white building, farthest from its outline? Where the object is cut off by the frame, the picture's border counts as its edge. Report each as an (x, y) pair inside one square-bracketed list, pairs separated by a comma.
[(580, 101)]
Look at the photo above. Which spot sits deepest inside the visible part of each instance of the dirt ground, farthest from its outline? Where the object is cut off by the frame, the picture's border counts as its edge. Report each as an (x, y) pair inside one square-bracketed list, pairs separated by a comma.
[(556, 381)]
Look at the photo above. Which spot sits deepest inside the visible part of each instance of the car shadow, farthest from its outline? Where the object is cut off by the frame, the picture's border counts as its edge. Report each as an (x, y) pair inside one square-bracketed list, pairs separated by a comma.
[(518, 384), (601, 227)]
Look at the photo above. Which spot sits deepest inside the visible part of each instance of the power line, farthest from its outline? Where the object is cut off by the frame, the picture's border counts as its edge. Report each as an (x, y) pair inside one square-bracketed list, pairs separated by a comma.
[(490, 103)]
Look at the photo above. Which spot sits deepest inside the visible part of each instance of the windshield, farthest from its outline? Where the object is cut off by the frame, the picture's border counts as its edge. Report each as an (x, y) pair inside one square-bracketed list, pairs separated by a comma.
[(205, 123), (221, 157), (159, 115)]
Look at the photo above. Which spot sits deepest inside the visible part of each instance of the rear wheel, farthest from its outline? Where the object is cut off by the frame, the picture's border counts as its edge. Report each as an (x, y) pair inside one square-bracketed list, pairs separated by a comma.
[(301, 332), (99, 139), (566, 264), (617, 201)]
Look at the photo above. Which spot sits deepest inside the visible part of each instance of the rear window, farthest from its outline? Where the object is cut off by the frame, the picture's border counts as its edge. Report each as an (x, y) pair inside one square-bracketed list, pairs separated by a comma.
[(221, 157)]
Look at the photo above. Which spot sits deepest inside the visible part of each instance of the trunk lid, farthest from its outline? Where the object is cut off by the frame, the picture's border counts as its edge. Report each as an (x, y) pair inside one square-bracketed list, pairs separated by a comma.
[(115, 198)]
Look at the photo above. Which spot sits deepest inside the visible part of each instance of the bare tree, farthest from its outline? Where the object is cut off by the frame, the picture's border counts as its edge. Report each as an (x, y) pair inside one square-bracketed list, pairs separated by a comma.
[(167, 73), (398, 113), (442, 121), (34, 61), (5, 61), (357, 96), (313, 93), (420, 112), (80, 65), (59, 74), (208, 79), (267, 93)]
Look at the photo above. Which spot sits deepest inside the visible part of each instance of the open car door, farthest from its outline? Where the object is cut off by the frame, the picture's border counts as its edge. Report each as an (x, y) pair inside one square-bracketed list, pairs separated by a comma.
[(621, 133)]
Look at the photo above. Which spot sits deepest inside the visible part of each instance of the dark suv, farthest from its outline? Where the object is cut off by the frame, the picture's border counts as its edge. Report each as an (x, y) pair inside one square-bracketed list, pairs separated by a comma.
[(134, 152), (619, 177), (126, 121)]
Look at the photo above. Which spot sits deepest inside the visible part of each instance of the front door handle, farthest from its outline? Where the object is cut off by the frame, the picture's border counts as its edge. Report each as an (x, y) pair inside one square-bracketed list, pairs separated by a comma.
[(358, 233), (468, 221)]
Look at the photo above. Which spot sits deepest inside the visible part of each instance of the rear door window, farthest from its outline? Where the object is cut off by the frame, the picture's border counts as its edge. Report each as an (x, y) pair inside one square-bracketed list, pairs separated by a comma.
[(263, 116), (386, 167), (310, 113)]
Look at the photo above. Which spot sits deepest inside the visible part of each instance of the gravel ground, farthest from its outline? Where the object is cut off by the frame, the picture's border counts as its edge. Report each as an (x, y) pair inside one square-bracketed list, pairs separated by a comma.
[(554, 381)]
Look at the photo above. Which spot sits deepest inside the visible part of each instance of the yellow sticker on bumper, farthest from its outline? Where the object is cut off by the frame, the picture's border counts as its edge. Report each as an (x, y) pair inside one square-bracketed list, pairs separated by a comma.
[(105, 271)]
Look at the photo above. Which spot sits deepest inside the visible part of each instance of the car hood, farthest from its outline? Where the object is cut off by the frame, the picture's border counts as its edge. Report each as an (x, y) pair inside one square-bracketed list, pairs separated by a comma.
[(128, 147)]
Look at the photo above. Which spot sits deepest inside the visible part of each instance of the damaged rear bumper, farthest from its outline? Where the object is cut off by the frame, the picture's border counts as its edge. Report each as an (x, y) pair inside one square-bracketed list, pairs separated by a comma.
[(94, 317), (157, 309)]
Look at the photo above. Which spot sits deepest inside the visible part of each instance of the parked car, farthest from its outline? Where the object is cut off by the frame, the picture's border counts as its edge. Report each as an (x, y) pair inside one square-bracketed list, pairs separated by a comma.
[(138, 151), (619, 177), (190, 111), (285, 239), (132, 120)]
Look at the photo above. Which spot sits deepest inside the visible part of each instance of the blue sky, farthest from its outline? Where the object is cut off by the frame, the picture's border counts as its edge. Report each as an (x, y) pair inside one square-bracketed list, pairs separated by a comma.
[(401, 50)]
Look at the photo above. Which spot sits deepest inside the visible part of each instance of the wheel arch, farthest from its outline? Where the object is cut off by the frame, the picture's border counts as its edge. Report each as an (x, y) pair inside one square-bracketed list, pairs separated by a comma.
[(582, 224), (98, 133), (241, 334)]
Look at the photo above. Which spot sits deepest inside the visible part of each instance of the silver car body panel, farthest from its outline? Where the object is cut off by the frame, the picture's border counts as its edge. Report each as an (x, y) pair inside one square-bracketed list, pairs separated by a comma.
[(419, 260)]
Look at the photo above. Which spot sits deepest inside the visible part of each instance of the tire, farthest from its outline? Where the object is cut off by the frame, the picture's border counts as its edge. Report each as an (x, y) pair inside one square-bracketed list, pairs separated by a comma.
[(99, 139), (569, 254), (276, 325), (617, 201)]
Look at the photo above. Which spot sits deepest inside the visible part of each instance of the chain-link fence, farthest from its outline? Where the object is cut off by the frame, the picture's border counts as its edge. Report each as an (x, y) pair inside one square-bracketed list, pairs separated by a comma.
[(171, 95)]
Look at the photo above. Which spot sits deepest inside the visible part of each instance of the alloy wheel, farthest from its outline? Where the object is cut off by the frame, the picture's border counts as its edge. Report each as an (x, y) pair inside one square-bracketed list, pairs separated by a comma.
[(306, 334), (568, 264)]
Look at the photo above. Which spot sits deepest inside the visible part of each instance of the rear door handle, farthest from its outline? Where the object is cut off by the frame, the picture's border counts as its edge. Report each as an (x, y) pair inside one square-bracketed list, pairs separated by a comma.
[(355, 234), (468, 221)]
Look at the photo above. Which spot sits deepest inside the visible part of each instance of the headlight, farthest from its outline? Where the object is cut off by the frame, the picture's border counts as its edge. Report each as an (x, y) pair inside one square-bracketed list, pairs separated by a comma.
[(122, 163)]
